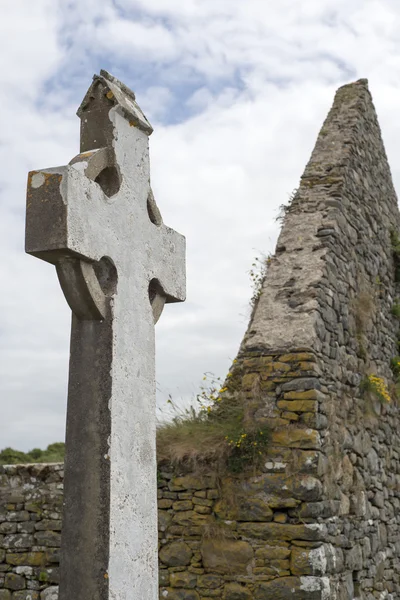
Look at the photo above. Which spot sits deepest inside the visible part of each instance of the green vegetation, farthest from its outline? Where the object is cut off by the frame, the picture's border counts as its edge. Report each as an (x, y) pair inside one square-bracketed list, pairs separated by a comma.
[(53, 453), (284, 208), (257, 275), (217, 434), (377, 387), (395, 241), (395, 310)]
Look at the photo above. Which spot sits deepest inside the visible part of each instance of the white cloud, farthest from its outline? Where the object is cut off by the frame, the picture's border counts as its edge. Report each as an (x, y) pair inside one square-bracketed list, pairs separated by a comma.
[(237, 92)]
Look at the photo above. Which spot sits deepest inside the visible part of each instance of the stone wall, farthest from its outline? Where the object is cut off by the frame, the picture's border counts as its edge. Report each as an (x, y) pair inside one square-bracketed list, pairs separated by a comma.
[(30, 531), (319, 519)]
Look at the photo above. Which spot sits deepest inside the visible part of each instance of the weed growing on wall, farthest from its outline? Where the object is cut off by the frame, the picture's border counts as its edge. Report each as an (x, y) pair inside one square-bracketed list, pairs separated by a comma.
[(214, 433), (377, 387), (284, 208), (257, 274)]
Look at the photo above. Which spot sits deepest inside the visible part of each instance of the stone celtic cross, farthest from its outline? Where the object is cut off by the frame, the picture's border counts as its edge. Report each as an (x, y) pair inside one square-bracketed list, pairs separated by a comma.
[(96, 220)]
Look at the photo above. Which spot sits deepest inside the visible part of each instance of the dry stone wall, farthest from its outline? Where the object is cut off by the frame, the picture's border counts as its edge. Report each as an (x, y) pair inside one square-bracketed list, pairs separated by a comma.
[(30, 531), (319, 519)]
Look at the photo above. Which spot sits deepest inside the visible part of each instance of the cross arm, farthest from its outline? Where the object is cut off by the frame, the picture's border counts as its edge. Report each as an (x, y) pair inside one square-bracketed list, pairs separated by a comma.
[(169, 264), (46, 214)]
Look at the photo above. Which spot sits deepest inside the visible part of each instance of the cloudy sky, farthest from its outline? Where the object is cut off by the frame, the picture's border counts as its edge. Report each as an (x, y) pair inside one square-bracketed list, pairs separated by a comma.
[(236, 91)]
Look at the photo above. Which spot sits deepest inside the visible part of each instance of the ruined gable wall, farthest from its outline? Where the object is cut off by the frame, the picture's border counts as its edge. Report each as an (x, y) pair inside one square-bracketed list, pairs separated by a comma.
[(319, 519)]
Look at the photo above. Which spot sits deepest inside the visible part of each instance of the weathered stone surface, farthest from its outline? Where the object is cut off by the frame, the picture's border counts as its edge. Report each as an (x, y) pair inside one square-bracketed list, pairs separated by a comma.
[(18, 540), (209, 581), (226, 556), (188, 518), (192, 482), (245, 508), (235, 591), (293, 437), (34, 559), (298, 405), (51, 593), (14, 582), (308, 561), (179, 594), (183, 579), (176, 554), (277, 531), (300, 487), (292, 588), (26, 595)]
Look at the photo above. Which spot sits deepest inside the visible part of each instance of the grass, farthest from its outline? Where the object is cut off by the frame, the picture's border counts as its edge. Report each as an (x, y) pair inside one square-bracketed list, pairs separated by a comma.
[(215, 435)]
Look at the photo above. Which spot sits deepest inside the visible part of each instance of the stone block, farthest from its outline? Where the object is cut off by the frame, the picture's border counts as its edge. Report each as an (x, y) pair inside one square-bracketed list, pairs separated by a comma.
[(249, 380), (26, 595), (5, 595), (164, 503), (20, 515), (304, 395), (50, 593), (300, 487), (209, 581), (298, 405), (47, 575), (176, 554), (292, 588), (188, 518), (48, 538), (296, 437), (192, 482), (164, 519), (33, 559), (244, 508), (308, 561), (178, 594), (302, 384), (18, 540), (14, 582), (235, 591), (283, 532), (183, 579), (226, 555), (182, 505), (8, 527), (52, 555), (163, 577), (48, 525), (202, 502), (203, 510)]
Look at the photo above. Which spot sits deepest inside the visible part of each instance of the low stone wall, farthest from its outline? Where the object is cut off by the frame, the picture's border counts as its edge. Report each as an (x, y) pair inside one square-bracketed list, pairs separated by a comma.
[(30, 530)]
